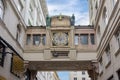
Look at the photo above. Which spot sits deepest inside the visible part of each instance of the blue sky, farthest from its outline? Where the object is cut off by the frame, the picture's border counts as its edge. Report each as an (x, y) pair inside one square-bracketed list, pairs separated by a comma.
[(63, 75), (68, 7)]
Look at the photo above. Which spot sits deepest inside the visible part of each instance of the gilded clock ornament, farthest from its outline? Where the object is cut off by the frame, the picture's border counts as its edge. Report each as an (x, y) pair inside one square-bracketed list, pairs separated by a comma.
[(60, 39)]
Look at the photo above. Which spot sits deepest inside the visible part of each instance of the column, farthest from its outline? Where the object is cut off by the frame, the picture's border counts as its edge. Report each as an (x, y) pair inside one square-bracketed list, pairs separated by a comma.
[(48, 38), (7, 63), (72, 37), (47, 51), (33, 74)]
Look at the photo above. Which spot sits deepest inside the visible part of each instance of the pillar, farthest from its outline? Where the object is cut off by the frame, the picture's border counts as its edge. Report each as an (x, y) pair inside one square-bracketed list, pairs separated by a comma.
[(33, 74)]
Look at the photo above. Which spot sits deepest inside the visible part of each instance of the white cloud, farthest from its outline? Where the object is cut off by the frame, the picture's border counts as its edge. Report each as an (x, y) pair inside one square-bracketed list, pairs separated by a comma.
[(72, 7)]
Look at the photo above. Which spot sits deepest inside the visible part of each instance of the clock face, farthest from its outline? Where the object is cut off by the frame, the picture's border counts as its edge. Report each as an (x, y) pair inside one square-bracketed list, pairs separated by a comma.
[(60, 39)]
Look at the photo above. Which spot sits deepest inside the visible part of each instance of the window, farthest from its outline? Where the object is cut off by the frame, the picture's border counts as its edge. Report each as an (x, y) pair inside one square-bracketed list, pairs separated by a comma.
[(84, 39), (100, 66), (108, 56), (98, 31), (18, 32), (28, 40), (111, 78), (76, 39), (105, 16), (117, 35), (114, 2), (36, 39), (83, 72), (2, 49), (92, 38), (96, 5), (20, 6), (43, 39), (118, 72), (75, 78), (1, 9), (83, 78)]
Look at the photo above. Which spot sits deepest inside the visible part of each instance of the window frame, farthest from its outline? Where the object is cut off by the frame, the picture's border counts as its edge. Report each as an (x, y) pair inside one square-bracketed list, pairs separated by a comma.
[(2, 55), (83, 38), (35, 36)]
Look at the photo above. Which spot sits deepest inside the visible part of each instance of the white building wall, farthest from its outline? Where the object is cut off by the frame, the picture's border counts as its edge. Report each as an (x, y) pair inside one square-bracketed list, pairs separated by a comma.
[(79, 75)]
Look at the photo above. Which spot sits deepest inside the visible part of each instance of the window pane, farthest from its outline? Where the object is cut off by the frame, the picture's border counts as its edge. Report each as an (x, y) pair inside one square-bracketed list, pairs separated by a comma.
[(108, 56), (118, 37), (2, 48), (83, 72), (92, 38), (36, 39), (1, 9), (111, 78), (44, 39), (84, 39), (83, 78), (118, 74), (76, 39), (28, 41), (75, 78)]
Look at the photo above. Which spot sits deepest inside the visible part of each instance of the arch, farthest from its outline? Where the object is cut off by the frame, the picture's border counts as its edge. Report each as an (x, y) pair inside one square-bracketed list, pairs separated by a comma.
[(105, 16)]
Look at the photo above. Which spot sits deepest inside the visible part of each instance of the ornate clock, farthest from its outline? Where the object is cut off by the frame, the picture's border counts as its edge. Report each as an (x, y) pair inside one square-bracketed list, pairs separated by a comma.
[(60, 39)]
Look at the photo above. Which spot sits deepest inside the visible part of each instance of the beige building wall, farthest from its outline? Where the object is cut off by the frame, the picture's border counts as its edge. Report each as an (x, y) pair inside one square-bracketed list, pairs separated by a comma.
[(107, 26), (12, 32)]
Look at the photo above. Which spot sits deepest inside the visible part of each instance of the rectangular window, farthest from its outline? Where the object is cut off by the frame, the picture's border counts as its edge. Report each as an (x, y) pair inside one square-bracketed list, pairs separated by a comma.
[(117, 35), (84, 39), (36, 39), (76, 39), (83, 72), (105, 16), (100, 66), (92, 37), (75, 78), (2, 50), (28, 40), (118, 72), (114, 2), (108, 56), (111, 78), (43, 39), (83, 78), (1, 9)]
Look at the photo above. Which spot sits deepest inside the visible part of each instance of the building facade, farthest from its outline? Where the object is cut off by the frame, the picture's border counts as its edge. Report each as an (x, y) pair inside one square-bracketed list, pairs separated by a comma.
[(79, 75), (13, 21), (60, 45), (105, 16), (47, 75)]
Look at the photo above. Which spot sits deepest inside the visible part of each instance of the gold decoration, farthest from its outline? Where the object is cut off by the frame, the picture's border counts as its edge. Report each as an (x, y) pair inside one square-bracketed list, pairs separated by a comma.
[(18, 64)]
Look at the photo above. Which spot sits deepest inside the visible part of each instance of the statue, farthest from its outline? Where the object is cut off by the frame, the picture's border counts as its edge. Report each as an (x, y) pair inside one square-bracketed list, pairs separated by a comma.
[(73, 20), (48, 21)]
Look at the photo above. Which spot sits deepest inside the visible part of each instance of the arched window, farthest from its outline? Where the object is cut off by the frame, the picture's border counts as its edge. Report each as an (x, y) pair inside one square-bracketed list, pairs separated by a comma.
[(105, 16), (1, 9)]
